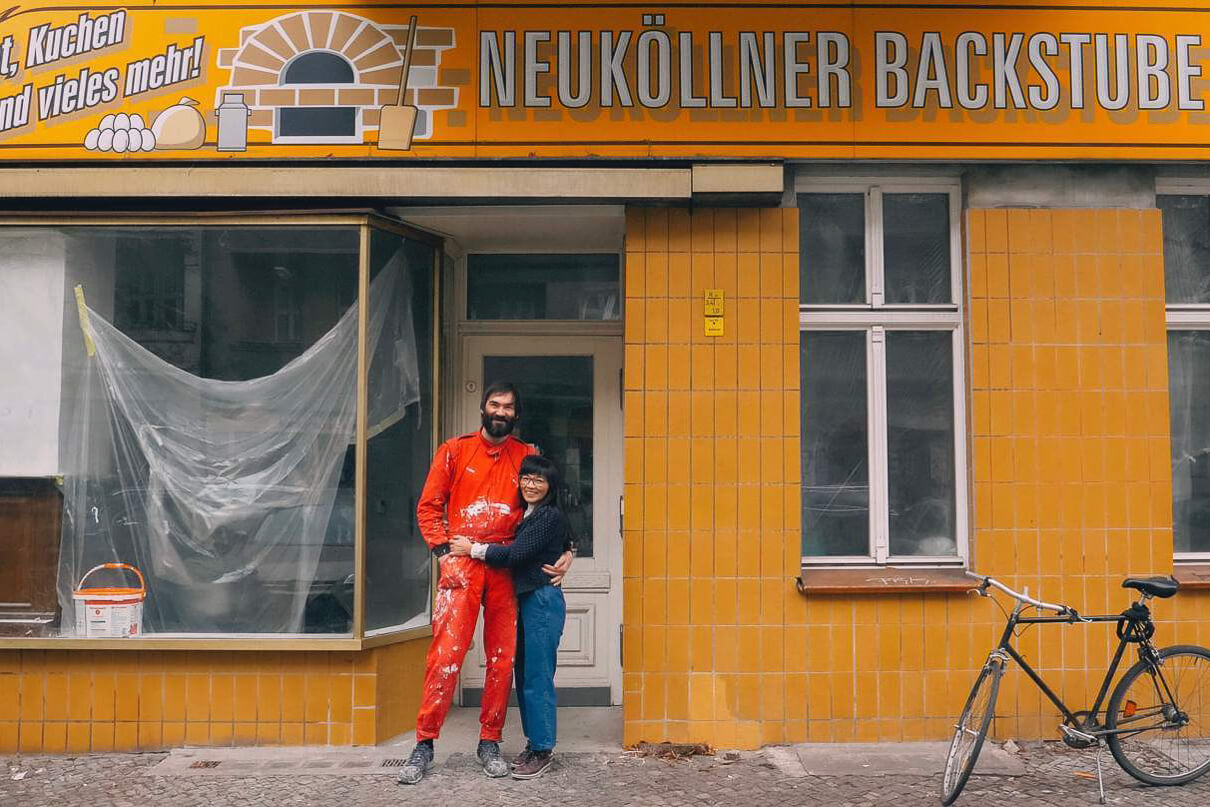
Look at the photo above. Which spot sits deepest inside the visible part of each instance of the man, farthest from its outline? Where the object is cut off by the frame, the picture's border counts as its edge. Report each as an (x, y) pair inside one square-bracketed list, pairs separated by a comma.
[(472, 491)]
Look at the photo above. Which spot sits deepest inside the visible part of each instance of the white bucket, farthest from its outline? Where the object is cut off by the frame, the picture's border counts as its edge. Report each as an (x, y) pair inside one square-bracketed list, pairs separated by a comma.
[(109, 612)]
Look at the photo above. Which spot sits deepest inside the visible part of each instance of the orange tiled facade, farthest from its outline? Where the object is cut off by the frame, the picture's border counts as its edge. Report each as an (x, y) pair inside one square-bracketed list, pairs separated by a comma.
[(1069, 401), (712, 459), (74, 701), (1069, 489), (1070, 486)]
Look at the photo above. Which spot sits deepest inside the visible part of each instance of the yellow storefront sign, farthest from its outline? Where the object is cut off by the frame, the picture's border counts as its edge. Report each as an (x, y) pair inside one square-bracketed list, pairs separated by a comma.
[(266, 80)]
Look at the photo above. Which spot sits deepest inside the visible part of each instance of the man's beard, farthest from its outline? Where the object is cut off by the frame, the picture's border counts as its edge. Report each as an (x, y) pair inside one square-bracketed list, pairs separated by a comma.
[(498, 425)]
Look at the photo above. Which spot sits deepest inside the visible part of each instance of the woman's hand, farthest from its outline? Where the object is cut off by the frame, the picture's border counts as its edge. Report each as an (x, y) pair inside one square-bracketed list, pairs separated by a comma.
[(460, 547), (559, 569)]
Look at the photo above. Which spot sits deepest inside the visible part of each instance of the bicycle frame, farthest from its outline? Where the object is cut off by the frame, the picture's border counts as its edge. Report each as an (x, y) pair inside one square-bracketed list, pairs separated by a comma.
[(1136, 618)]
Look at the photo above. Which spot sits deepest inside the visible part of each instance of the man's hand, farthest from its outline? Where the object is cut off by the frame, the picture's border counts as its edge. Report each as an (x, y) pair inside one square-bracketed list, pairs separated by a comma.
[(460, 547), (559, 569)]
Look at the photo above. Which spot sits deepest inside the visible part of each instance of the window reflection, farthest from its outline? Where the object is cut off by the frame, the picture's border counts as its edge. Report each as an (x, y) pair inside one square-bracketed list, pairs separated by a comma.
[(567, 287)]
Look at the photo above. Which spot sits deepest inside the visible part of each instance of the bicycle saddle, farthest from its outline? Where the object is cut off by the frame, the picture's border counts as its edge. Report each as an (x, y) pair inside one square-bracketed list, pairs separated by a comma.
[(1155, 586)]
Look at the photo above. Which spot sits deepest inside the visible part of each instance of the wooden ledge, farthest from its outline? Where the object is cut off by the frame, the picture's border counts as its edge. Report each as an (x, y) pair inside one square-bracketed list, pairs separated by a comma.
[(883, 580), (1193, 575)]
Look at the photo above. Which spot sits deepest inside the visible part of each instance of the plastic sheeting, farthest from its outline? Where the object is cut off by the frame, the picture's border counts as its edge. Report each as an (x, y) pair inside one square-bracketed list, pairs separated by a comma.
[(223, 492)]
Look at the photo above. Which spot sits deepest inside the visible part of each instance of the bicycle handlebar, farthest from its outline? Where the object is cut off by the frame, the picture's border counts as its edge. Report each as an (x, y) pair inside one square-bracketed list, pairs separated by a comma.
[(1016, 595)]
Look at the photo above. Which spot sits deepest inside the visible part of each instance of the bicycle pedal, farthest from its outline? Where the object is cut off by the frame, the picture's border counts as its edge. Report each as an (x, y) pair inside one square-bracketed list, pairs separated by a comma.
[(1076, 738)]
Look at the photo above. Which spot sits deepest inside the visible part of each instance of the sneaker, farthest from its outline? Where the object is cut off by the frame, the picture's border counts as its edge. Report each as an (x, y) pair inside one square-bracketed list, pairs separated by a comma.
[(522, 758), (535, 766), (420, 760), (494, 765)]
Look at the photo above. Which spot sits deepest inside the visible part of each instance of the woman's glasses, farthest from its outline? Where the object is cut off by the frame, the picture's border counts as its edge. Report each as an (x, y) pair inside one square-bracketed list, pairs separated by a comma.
[(533, 482)]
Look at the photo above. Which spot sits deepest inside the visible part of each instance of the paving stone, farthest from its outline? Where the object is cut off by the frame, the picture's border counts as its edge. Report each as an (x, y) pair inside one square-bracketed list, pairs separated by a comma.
[(578, 780)]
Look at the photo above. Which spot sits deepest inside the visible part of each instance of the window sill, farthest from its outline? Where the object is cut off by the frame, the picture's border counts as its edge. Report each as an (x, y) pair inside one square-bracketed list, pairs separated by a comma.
[(1193, 575), (294, 642), (883, 579)]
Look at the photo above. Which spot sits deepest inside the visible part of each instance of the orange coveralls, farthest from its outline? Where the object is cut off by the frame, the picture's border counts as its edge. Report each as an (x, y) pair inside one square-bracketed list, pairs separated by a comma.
[(472, 491)]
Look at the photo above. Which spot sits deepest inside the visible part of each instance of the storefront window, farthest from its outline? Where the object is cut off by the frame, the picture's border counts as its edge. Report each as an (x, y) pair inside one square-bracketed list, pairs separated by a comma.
[(208, 439), (1189, 419), (1186, 223), (880, 343), (832, 271), (835, 425), (400, 443), (1186, 249)]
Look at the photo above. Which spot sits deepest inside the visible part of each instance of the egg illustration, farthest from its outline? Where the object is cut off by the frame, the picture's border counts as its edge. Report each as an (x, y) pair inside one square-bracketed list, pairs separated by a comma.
[(105, 141), (136, 122), (107, 122), (121, 139), (148, 140), (135, 141), (90, 140), (121, 121)]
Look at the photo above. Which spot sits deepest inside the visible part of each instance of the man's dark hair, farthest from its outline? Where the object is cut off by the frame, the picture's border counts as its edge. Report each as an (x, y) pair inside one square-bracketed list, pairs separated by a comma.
[(498, 387)]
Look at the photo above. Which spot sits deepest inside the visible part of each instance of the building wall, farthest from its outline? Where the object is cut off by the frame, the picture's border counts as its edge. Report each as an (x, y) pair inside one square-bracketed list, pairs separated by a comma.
[(1069, 403), (77, 701), (712, 508), (1070, 483)]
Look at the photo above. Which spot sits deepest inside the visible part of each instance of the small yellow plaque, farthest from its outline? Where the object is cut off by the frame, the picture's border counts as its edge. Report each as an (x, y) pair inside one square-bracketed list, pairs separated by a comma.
[(714, 303), (714, 326)]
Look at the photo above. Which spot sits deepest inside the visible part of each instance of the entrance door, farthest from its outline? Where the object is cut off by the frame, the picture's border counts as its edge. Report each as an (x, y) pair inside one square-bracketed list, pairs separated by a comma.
[(570, 390)]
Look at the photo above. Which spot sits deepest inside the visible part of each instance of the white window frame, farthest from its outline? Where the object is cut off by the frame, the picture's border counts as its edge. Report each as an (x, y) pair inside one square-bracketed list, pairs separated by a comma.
[(875, 317), (1185, 316)]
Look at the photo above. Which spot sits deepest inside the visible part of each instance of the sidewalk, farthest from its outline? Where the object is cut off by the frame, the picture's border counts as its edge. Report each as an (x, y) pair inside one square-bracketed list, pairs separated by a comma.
[(894, 774)]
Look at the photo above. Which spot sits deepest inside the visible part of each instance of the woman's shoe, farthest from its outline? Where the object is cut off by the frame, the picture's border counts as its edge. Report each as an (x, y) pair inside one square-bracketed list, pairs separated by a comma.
[(535, 766), (522, 758)]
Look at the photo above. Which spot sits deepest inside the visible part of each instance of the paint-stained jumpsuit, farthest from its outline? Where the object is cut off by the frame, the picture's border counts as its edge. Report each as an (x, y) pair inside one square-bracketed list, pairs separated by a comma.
[(472, 491)]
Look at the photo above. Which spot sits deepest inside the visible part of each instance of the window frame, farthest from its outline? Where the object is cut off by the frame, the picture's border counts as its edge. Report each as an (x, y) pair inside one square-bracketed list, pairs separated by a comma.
[(464, 298), (358, 638), (876, 318), (1183, 317)]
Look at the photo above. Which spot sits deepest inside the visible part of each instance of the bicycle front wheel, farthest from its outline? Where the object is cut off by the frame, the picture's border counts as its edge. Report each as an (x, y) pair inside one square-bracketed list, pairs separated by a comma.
[(971, 730), (1160, 716)]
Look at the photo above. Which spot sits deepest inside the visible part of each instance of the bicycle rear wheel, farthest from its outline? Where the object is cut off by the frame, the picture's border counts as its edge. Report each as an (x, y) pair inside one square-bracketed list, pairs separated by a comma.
[(971, 730), (1163, 714)]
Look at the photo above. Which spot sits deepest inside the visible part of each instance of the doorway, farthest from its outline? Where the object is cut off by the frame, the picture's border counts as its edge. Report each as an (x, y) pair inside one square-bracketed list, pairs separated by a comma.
[(571, 396), (534, 296)]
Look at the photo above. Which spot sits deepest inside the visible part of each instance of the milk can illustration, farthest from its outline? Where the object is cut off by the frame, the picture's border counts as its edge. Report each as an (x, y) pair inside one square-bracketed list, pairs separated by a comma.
[(233, 123)]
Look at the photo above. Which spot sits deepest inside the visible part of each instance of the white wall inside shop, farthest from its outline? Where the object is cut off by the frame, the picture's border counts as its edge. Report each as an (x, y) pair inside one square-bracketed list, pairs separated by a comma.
[(32, 288), (41, 346)]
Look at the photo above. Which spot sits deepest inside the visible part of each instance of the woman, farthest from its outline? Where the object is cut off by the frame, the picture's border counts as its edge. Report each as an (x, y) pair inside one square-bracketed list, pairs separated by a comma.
[(541, 538)]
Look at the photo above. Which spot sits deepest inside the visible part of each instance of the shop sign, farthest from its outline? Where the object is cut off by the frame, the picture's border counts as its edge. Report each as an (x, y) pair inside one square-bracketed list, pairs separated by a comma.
[(266, 80)]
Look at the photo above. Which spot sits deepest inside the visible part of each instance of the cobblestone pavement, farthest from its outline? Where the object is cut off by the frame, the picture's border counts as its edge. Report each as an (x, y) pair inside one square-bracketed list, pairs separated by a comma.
[(121, 780)]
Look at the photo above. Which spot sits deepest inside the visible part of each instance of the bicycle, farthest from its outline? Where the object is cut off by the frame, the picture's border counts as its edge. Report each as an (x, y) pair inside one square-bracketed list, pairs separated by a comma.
[(1156, 722)]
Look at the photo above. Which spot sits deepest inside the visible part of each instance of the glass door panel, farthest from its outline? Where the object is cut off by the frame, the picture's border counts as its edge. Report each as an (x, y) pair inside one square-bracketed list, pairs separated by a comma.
[(557, 408)]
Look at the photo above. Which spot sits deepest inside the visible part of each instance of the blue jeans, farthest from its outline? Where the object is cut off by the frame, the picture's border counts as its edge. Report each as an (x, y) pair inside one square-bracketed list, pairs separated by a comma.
[(543, 612)]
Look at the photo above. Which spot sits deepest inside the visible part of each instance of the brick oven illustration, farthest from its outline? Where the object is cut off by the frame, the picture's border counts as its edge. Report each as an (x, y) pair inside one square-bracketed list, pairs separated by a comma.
[(322, 76)]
